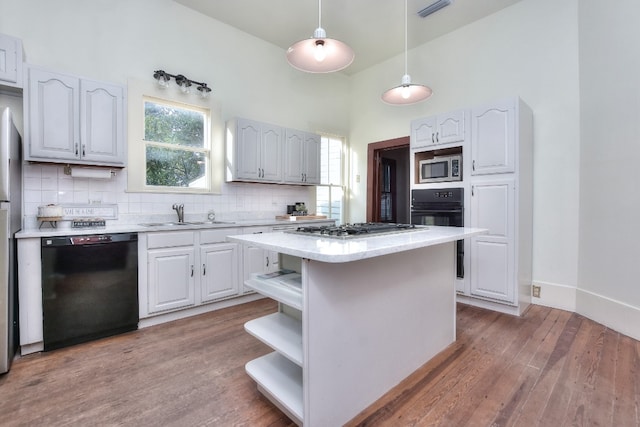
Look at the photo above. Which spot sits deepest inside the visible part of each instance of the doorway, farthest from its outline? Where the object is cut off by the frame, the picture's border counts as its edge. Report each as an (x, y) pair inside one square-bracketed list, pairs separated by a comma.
[(388, 186)]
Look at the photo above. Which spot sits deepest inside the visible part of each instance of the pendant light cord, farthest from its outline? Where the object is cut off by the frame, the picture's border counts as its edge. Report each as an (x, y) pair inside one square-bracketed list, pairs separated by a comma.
[(319, 13), (405, 37)]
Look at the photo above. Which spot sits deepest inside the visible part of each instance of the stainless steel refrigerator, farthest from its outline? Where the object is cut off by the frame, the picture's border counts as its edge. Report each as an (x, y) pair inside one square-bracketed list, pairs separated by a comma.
[(10, 223)]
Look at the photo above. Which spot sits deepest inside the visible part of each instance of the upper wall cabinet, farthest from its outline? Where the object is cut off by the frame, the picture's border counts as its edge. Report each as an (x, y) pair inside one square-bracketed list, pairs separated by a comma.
[(260, 152), (73, 120), (440, 129), (302, 157), (254, 151), (10, 61), (493, 136)]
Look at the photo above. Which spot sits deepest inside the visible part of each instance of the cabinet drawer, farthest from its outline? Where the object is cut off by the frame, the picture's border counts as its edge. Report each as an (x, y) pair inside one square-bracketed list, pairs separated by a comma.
[(170, 239), (218, 235)]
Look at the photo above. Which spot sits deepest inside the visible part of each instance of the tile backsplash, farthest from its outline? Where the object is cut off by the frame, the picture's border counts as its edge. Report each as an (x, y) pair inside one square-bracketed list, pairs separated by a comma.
[(45, 184)]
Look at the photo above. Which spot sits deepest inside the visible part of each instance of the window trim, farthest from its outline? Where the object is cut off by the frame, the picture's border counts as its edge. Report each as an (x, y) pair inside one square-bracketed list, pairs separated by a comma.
[(343, 175), (137, 91)]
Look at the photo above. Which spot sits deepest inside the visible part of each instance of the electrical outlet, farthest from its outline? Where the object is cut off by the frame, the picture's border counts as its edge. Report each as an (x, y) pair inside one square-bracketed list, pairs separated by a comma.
[(535, 291)]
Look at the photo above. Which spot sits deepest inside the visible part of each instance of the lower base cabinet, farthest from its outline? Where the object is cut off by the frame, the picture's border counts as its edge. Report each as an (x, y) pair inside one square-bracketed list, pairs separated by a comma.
[(493, 254), (219, 271), (171, 279), (189, 268)]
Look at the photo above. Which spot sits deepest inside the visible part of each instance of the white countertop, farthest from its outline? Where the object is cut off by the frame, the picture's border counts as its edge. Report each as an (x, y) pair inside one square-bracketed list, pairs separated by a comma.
[(345, 250), (47, 231)]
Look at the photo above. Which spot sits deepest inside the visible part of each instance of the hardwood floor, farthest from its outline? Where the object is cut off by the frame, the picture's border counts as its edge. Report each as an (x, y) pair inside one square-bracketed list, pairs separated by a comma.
[(548, 368)]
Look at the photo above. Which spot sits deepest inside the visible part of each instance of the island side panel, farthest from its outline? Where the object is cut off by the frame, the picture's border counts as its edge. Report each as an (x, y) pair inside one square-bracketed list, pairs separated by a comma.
[(369, 324)]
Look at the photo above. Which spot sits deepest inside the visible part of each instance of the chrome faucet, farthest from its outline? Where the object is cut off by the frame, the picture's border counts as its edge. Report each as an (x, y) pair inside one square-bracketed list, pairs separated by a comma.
[(180, 211)]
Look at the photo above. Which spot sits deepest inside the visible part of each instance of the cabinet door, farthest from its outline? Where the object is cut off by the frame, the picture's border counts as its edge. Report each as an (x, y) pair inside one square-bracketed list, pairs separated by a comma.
[(10, 61), (294, 159), (450, 127), (171, 282), (254, 260), (423, 132), (54, 132), (311, 158), (493, 254), (219, 271), (102, 122), (271, 153), (493, 139), (247, 143)]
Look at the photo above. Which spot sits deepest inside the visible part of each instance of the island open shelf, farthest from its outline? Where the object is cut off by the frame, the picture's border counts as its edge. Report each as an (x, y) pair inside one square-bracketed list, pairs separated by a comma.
[(281, 332), (372, 312)]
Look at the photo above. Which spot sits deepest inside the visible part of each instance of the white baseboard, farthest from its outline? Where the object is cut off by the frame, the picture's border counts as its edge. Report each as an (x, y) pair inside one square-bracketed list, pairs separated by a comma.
[(556, 296), (613, 314)]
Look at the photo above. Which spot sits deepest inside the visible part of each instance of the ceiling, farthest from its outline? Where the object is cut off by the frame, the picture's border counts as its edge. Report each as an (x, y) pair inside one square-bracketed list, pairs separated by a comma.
[(373, 28)]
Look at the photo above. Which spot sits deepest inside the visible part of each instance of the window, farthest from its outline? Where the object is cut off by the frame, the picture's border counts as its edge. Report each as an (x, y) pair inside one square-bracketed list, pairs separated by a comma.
[(330, 192), (176, 146)]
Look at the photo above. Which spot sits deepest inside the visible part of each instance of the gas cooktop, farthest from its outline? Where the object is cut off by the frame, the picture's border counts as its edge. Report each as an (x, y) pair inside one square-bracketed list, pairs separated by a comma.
[(357, 230)]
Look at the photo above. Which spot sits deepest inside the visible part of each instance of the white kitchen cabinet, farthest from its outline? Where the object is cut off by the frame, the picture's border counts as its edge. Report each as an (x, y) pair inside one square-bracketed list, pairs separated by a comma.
[(501, 201), (254, 151), (255, 259), (73, 120), (493, 138), (11, 58), (171, 278), (190, 268), (302, 157), (440, 129), (492, 268), (219, 274)]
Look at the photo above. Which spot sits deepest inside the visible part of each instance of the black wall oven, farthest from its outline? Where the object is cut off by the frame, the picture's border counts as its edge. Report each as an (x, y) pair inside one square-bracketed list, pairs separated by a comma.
[(441, 207)]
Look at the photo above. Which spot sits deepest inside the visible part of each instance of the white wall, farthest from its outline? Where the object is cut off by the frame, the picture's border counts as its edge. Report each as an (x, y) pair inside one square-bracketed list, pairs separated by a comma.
[(528, 50), (124, 41), (609, 290)]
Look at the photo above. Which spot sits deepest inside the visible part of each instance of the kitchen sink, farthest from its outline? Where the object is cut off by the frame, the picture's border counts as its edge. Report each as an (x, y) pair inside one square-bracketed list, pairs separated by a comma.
[(171, 224)]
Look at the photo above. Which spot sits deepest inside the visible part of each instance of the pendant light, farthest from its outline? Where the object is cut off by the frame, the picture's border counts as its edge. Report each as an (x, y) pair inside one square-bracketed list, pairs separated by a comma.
[(407, 92), (320, 54)]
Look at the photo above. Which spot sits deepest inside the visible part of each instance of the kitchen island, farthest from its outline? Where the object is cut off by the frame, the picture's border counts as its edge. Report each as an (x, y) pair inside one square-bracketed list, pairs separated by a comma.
[(356, 317)]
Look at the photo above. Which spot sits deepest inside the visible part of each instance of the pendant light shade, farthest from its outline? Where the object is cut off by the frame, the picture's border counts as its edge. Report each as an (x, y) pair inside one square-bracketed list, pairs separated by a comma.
[(407, 93), (320, 54)]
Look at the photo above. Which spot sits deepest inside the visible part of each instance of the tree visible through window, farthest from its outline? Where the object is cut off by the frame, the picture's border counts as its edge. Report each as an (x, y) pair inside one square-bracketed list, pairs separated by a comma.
[(177, 147), (330, 192)]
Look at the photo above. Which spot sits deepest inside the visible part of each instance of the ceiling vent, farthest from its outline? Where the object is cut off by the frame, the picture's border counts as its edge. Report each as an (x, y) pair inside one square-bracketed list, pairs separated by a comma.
[(434, 7)]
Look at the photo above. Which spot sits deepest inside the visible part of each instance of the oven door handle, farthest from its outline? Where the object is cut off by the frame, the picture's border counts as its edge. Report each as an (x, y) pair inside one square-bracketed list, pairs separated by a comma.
[(431, 211)]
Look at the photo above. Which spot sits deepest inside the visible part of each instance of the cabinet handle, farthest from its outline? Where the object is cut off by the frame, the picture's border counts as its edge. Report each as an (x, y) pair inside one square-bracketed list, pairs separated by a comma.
[(83, 147), (473, 190), (437, 136), (204, 269), (473, 165), (433, 141), (191, 270), (76, 149), (267, 261)]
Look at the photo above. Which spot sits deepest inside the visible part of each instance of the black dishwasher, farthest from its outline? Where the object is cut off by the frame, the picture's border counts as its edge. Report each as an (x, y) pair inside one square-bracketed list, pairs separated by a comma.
[(89, 287)]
